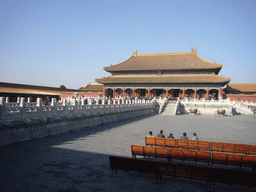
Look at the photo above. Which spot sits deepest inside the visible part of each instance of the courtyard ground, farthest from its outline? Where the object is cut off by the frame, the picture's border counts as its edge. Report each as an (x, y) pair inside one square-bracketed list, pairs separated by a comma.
[(78, 161)]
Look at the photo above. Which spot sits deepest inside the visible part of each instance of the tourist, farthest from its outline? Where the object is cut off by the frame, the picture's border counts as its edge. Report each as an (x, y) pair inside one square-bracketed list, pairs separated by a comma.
[(150, 134), (161, 134), (195, 137), (170, 136), (184, 136)]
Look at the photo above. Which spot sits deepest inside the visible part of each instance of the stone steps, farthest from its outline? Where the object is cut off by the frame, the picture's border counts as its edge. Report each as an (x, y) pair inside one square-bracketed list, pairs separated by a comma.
[(169, 109)]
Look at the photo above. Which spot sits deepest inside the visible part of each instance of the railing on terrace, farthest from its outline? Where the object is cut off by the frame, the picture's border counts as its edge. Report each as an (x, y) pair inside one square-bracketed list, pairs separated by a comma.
[(66, 108)]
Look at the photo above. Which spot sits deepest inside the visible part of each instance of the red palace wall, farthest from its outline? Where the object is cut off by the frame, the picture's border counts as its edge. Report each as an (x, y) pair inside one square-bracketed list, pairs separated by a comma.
[(248, 98), (66, 95)]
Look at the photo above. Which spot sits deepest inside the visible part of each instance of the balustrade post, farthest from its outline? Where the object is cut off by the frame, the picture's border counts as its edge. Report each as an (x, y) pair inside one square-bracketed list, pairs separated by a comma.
[(18, 99), (64, 101), (2, 105), (22, 101), (29, 100), (82, 101), (109, 102), (118, 101), (7, 100)]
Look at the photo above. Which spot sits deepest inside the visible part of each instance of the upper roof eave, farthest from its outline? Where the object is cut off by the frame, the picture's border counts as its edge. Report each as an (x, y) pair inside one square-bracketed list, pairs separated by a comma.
[(164, 61)]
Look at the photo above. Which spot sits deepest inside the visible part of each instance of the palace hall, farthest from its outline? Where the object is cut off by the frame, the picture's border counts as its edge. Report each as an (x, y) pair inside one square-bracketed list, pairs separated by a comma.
[(172, 75)]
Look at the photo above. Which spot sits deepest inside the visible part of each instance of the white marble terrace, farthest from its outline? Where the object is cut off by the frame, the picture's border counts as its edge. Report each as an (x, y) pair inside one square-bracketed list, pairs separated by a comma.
[(66, 108)]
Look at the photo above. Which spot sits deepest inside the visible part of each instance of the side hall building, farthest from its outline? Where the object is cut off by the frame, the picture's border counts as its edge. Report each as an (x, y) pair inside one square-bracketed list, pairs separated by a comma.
[(165, 74)]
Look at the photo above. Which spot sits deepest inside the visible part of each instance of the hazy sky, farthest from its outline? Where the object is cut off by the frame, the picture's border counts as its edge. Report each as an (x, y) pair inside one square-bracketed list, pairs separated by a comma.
[(68, 42)]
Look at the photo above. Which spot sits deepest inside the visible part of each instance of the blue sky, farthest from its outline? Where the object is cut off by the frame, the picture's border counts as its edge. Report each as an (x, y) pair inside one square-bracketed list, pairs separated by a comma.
[(68, 42)]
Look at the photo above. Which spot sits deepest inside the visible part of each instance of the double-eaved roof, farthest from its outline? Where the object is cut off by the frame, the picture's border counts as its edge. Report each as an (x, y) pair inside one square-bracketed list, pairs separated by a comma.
[(188, 61), (164, 61)]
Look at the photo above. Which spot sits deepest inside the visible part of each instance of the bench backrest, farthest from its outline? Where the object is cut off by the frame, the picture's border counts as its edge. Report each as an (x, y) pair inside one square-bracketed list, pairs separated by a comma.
[(150, 140), (170, 142), (192, 144), (182, 143), (160, 141), (201, 145)]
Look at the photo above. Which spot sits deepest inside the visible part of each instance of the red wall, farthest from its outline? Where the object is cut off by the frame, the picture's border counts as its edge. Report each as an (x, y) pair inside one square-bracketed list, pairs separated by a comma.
[(243, 97)]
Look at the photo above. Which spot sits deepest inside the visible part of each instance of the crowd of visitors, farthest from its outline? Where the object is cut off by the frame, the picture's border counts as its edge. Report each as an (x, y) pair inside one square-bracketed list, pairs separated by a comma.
[(184, 136)]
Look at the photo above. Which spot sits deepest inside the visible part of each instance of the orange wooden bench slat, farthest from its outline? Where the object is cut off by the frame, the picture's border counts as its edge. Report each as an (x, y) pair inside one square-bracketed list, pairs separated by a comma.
[(216, 146), (203, 155), (170, 142), (235, 159), (137, 149), (176, 152), (252, 149), (249, 160), (228, 147), (240, 148), (160, 141), (189, 154), (219, 157), (150, 151), (182, 143), (204, 145), (192, 144), (162, 152), (150, 140)]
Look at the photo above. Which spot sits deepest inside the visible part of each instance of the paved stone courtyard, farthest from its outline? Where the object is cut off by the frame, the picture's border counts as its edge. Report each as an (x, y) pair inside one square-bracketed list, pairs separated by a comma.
[(78, 161)]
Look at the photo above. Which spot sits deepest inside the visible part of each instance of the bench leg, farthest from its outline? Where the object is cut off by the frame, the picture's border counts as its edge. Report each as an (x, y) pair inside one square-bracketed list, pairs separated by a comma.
[(112, 173)]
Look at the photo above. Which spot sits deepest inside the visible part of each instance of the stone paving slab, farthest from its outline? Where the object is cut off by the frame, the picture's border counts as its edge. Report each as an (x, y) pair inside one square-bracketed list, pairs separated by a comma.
[(78, 161)]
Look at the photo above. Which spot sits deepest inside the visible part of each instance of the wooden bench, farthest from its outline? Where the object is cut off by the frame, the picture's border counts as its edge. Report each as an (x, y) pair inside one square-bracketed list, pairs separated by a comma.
[(160, 141), (192, 144), (182, 143), (209, 174), (170, 143), (201, 145), (137, 150), (249, 160), (210, 157), (252, 149), (150, 141)]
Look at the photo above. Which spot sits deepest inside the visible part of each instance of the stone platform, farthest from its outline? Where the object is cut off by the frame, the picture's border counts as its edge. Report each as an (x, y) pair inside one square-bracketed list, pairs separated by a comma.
[(78, 161)]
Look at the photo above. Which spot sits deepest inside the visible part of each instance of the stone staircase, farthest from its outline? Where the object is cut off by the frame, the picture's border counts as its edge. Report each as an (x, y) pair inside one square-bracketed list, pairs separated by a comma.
[(169, 108)]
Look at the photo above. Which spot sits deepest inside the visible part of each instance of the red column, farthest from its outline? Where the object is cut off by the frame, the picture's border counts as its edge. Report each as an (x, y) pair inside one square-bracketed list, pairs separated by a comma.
[(103, 94), (207, 94), (183, 93), (221, 93), (149, 93), (167, 93), (195, 94), (114, 93), (133, 93), (124, 93)]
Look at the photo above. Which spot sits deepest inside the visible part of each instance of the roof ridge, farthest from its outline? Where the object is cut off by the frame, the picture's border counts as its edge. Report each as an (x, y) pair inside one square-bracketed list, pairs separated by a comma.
[(156, 54)]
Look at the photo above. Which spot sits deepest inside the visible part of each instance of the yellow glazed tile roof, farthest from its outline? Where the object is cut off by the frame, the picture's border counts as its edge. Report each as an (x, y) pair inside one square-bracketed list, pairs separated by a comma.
[(164, 61), (92, 87), (165, 79), (241, 87)]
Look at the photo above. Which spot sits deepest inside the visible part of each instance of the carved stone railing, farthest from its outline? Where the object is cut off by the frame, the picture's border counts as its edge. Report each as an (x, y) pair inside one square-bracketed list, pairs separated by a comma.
[(210, 107), (29, 112)]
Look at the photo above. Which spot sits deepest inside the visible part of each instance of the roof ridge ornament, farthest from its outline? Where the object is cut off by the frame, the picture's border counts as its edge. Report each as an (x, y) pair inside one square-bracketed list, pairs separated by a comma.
[(193, 50), (135, 53)]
